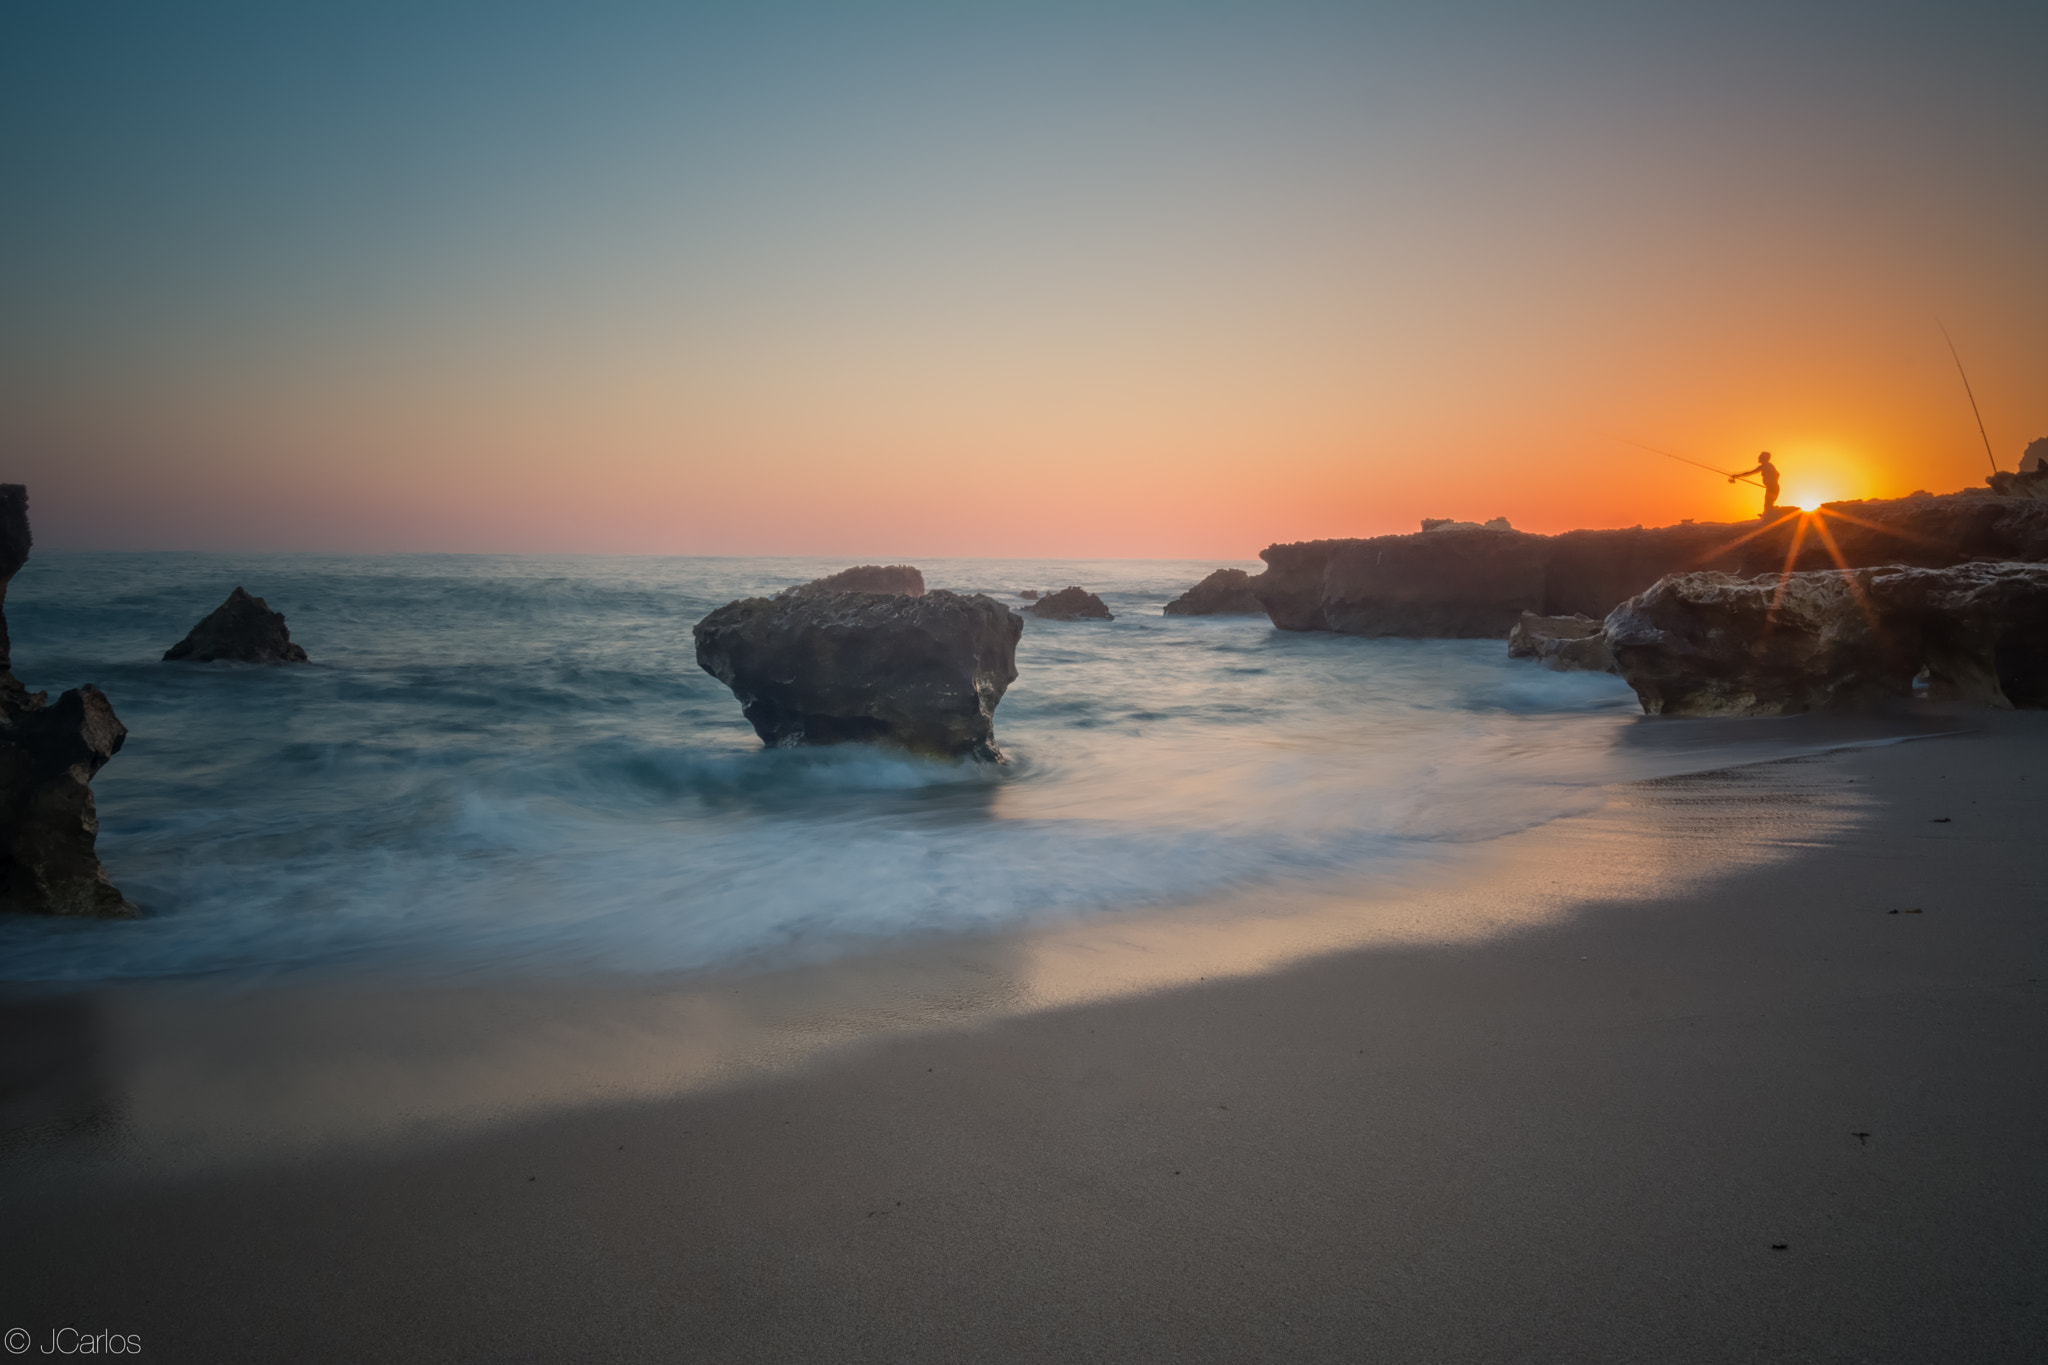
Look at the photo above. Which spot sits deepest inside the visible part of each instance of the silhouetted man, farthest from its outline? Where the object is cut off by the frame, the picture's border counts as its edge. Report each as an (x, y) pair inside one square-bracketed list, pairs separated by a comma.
[(1770, 476)]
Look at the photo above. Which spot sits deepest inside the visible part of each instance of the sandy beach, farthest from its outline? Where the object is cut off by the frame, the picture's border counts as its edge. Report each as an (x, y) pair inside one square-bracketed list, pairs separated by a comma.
[(1788, 1111)]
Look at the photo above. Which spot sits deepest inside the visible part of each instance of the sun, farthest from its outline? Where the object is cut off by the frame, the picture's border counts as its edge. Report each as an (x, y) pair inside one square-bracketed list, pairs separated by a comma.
[(1809, 495)]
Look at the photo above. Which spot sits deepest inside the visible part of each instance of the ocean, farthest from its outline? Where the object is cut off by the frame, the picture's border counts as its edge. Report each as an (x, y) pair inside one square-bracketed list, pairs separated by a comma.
[(512, 766)]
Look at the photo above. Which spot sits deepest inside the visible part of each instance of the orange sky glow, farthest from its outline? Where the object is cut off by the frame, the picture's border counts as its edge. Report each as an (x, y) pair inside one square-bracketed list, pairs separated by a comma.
[(1203, 299)]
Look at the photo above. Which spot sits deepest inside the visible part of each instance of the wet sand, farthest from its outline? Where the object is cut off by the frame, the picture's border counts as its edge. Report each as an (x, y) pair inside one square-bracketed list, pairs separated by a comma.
[(1675, 1111)]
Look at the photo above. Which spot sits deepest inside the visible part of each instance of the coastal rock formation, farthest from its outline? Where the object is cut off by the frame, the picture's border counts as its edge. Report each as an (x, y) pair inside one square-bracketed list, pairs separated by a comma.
[(48, 755), (1981, 630), (922, 672), (1713, 644), (1031, 594), (900, 579), (243, 629), (1070, 604), (1464, 580), (1564, 644), (1227, 592)]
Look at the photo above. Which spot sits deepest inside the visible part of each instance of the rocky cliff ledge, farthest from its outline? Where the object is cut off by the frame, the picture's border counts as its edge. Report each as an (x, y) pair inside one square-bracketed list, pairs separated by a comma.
[(48, 755), (1476, 582), (924, 673)]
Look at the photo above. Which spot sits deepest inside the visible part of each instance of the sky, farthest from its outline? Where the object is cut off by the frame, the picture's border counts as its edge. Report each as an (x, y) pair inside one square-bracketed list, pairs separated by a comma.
[(891, 280)]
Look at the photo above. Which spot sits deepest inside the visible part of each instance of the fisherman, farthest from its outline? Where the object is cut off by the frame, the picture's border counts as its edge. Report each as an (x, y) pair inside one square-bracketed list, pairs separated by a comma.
[(1769, 472)]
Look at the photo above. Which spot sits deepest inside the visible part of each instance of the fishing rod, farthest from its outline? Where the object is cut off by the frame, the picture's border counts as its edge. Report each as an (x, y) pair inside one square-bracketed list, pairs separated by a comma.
[(1743, 478), (1972, 397)]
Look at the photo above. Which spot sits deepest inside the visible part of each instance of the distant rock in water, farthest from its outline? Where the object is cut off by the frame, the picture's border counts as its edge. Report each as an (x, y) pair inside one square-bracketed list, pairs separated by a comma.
[(1031, 594), (1564, 644), (1713, 644), (1070, 604), (1466, 580), (924, 673), (899, 579), (1227, 592), (48, 755), (243, 629), (1981, 630)]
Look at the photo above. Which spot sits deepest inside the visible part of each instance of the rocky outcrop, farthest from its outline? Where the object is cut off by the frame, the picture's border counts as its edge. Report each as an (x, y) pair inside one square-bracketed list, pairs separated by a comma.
[(15, 542), (48, 755), (1031, 594), (1713, 644), (2028, 483), (899, 579), (1564, 644), (242, 629), (1070, 604), (1980, 630), (924, 673), (1477, 581), (1227, 592)]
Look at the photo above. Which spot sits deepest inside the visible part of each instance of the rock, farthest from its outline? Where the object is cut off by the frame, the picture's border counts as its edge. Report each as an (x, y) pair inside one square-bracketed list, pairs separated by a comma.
[(15, 541), (1070, 604), (922, 672), (243, 629), (2031, 483), (1714, 644), (1466, 579), (1031, 594), (1981, 629), (1471, 584), (1227, 592), (900, 579), (1564, 644), (48, 755), (2035, 457)]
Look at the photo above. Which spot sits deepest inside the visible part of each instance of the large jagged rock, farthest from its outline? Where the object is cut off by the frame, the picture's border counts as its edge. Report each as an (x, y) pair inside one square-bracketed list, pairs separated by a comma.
[(1981, 630), (1457, 580), (1563, 644), (48, 755), (1227, 592), (1713, 644), (924, 673), (900, 579), (1070, 604), (242, 629)]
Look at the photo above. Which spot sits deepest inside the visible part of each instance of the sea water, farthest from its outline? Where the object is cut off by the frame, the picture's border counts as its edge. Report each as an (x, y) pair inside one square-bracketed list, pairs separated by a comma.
[(514, 765)]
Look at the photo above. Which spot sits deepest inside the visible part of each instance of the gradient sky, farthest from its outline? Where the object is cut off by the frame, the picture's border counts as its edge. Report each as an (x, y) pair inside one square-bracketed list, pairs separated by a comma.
[(891, 280)]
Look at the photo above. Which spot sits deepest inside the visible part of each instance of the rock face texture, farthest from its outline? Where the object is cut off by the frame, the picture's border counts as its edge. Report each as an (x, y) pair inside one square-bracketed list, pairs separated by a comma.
[(243, 629), (1980, 630), (924, 673), (1564, 644), (1070, 604), (48, 755), (1713, 644), (900, 579), (1461, 580), (1227, 592)]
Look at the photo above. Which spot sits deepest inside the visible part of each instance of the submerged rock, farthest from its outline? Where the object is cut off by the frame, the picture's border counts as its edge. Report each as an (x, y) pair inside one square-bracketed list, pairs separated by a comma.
[(243, 629), (1981, 630), (1565, 644), (1227, 592), (922, 672), (1713, 644), (900, 579), (1070, 604), (48, 755)]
